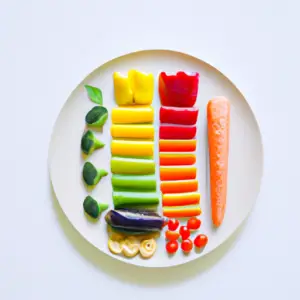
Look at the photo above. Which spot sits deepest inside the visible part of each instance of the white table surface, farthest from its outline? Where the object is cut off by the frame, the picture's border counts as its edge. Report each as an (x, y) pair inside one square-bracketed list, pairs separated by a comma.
[(47, 47)]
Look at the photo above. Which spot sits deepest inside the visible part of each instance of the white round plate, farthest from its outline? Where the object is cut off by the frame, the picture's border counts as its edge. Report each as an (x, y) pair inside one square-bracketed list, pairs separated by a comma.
[(245, 157)]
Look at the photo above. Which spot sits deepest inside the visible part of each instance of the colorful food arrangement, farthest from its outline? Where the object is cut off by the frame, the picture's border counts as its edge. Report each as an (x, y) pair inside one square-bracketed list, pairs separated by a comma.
[(177, 132), (134, 223)]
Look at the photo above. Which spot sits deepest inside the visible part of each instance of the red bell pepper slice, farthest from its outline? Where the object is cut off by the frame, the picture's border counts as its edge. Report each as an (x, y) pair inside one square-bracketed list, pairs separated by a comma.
[(169, 132), (177, 115), (178, 89)]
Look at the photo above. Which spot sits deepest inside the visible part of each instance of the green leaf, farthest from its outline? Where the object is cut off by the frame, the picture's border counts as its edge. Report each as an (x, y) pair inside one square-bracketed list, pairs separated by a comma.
[(94, 94)]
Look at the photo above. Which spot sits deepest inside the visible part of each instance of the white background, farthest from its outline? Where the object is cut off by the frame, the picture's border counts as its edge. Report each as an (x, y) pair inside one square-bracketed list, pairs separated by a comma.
[(47, 47)]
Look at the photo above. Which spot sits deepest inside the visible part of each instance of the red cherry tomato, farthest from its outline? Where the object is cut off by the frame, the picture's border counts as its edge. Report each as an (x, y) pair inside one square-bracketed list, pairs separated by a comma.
[(173, 224), (172, 246), (184, 232), (193, 223), (187, 245), (172, 235), (200, 240)]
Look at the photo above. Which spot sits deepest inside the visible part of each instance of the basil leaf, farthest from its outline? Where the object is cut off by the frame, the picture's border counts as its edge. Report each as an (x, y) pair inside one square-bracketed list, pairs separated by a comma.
[(94, 94)]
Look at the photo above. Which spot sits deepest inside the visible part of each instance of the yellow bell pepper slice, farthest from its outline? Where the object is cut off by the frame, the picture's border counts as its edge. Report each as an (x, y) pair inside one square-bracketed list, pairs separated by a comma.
[(132, 115), (123, 91), (136, 88), (142, 85), (132, 131), (132, 148)]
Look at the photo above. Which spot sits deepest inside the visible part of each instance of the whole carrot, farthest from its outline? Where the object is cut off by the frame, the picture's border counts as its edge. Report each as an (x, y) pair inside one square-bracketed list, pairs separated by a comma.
[(218, 122)]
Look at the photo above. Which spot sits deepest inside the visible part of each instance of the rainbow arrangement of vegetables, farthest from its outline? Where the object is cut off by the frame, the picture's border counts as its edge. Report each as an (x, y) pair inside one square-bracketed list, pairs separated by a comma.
[(134, 221), (132, 145), (177, 132)]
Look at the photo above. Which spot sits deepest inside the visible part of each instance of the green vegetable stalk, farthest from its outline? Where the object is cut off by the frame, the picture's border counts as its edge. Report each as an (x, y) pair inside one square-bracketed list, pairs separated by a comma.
[(123, 199), (132, 166), (89, 143), (91, 175), (134, 182), (93, 208), (97, 116)]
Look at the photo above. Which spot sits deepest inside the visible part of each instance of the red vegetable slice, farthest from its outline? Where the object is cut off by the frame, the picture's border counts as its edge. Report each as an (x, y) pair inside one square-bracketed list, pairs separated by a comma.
[(170, 132), (178, 89), (177, 115)]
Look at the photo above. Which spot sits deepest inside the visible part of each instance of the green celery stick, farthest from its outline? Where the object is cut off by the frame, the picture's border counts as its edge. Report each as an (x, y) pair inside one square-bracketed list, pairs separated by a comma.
[(120, 165), (121, 199), (134, 182)]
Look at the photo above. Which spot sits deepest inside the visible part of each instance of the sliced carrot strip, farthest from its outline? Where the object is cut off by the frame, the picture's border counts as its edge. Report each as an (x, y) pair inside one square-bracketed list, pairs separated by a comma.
[(218, 119), (181, 211), (177, 145), (178, 186), (180, 199), (177, 159), (177, 173)]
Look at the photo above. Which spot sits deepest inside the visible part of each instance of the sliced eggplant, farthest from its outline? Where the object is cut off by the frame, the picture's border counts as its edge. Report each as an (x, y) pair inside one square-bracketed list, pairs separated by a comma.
[(134, 220)]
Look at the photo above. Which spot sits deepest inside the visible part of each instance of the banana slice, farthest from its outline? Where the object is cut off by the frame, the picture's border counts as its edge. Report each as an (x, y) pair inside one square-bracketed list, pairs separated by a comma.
[(131, 247), (115, 246), (148, 248)]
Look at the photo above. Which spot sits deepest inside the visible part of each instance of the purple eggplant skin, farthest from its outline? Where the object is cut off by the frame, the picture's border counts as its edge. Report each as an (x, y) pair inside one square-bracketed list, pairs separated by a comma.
[(135, 220)]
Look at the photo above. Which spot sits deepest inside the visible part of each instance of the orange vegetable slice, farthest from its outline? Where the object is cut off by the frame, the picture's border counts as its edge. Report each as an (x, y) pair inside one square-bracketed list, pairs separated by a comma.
[(180, 199), (178, 173), (178, 186), (176, 159), (181, 211), (177, 145)]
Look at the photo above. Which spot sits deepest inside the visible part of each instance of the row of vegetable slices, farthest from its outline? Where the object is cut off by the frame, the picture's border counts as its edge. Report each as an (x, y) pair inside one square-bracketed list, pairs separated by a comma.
[(177, 132), (132, 145)]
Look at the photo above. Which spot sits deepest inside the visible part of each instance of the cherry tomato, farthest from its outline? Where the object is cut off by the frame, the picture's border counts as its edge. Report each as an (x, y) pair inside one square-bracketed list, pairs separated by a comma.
[(172, 235), (172, 246), (193, 223), (173, 224), (200, 240), (184, 232), (187, 245)]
